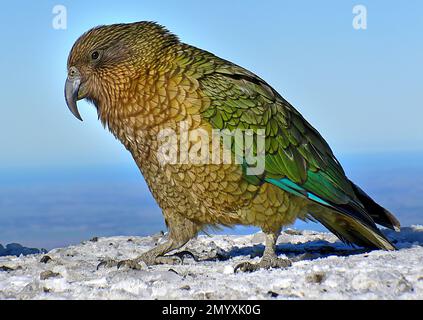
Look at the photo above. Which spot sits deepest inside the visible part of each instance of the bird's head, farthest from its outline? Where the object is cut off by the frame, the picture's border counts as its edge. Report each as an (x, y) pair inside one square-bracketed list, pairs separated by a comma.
[(104, 60)]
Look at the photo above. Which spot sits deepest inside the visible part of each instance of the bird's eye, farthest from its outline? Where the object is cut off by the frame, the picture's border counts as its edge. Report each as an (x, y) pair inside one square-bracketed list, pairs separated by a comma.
[(95, 55)]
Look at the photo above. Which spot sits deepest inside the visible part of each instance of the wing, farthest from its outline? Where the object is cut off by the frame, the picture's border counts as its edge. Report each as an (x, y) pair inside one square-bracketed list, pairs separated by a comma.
[(298, 159)]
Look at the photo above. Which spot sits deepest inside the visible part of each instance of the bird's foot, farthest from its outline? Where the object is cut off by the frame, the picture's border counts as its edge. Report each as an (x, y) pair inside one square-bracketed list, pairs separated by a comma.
[(140, 262), (265, 263), (147, 260)]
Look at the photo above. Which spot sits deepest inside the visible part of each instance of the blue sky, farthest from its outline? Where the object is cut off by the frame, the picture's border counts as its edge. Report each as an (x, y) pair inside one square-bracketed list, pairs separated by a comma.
[(361, 89)]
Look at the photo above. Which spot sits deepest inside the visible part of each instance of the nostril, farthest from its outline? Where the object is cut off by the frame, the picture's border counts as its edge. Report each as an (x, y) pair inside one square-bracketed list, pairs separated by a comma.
[(73, 72)]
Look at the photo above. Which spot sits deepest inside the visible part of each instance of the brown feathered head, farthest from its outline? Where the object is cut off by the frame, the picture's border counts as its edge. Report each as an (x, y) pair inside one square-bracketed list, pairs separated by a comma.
[(104, 60)]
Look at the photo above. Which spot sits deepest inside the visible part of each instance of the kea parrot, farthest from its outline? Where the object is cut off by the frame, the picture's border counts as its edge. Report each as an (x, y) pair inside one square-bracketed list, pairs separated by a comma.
[(142, 80)]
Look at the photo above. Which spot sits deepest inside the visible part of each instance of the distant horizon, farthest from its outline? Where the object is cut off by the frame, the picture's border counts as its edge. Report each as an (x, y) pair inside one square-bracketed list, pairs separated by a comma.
[(50, 207), (358, 160)]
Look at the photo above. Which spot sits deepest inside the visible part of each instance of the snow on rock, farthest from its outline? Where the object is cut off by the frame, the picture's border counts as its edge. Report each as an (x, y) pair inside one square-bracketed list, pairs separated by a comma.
[(323, 268)]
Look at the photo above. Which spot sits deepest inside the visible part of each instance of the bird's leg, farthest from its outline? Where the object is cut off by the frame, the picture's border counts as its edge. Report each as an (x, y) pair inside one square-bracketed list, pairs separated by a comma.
[(269, 259), (181, 230)]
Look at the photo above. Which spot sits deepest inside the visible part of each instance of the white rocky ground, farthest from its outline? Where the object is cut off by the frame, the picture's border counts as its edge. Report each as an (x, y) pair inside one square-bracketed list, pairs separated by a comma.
[(323, 268)]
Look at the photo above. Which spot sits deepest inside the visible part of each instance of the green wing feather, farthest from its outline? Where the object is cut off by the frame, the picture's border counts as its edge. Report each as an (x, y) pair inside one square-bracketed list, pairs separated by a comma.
[(294, 149), (297, 159)]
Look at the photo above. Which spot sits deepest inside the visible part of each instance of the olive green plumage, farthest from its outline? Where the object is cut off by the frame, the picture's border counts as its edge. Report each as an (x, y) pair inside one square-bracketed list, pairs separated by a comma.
[(298, 159), (143, 80)]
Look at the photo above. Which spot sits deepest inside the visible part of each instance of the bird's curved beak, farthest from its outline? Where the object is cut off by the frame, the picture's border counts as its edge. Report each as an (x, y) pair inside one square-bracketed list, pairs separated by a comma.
[(73, 82)]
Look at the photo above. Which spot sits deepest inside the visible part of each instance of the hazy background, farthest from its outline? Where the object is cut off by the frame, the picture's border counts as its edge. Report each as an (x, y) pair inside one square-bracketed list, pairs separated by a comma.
[(62, 181)]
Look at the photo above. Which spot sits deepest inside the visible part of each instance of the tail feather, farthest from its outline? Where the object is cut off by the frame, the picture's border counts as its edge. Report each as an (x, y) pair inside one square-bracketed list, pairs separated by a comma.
[(351, 230), (355, 222), (379, 214)]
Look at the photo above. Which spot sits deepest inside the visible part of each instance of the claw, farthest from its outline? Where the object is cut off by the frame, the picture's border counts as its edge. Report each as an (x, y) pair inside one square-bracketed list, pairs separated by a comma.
[(246, 267), (172, 260), (265, 263), (131, 264), (101, 264), (109, 263), (182, 254)]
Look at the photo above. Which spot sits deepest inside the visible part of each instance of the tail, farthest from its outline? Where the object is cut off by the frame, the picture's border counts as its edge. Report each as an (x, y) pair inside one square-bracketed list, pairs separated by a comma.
[(356, 224), (379, 214)]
